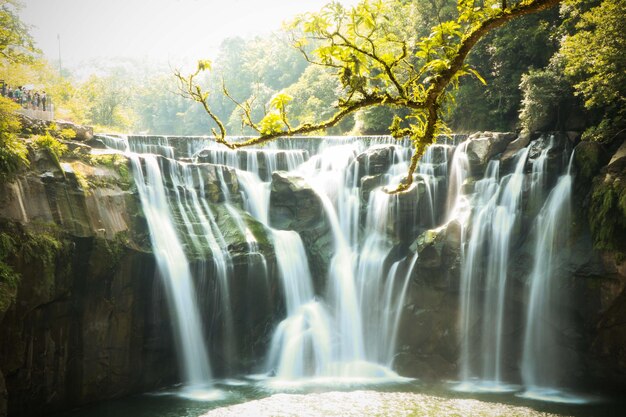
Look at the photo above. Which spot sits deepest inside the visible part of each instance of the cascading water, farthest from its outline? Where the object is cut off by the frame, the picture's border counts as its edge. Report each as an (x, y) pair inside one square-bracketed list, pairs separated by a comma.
[(174, 268), (541, 358), (302, 343), (349, 329), (496, 212)]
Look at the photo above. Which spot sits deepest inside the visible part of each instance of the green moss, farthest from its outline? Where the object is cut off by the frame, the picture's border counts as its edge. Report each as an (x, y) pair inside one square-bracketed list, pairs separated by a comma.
[(587, 158), (259, 231), (9, 279), (607, 215), (39, 245), (118, 163), (67, 134), (81, 180)]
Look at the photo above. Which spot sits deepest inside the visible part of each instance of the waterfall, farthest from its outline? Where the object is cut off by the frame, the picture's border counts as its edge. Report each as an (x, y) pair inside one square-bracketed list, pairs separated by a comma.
[(541, 359), (456, 203), (174, 269), (496, 213), (302, 343), (344, 326)]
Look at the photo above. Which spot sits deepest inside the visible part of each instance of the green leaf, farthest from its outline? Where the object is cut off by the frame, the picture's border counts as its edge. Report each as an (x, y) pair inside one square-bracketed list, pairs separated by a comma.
[(204, 64)]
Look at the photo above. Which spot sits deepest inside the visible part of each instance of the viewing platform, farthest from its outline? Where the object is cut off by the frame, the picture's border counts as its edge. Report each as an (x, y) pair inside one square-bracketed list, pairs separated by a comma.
[(47, 115)]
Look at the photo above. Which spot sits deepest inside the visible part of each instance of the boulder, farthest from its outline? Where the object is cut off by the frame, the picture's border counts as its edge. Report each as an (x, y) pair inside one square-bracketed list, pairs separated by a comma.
[(508, 156), (375, 160), (484, 146), (369, 183), (83, 133), (294, 205), (438, 254), (32, 126), (408, 212)]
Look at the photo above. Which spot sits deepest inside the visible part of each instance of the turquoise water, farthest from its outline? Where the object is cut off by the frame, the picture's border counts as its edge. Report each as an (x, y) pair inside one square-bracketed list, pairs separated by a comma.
[(254, 398)]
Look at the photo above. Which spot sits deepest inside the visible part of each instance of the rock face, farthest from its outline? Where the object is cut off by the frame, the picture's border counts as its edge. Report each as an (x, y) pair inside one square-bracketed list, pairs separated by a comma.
[(3, 396), (39, 127), (294, 205), (375, 160), (428, 333), (83, 313), (607, 220), (79, 326), (484, 146), (593, 285)]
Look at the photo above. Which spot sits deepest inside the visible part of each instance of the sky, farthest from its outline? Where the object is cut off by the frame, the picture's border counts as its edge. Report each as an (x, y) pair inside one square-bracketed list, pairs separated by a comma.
[(158, 30)]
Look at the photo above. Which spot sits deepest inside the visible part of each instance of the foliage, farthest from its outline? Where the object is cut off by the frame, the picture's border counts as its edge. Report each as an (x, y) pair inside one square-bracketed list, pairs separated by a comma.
[(9, 279), (118, 163), (41, 245), (107, 99), (52, 144), (544, 92), (595, 57), (502, 58), (16, 43), (379, 60), (66, 134), (13, 152)]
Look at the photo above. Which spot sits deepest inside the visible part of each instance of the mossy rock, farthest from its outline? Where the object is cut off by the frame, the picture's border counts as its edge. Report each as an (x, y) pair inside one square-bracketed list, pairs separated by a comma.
[(589, 158), (37, 246), (607, 211), (607, 214)]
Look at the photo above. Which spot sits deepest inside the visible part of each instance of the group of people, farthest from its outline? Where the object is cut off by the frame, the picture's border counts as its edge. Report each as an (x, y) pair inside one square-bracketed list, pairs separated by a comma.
[(26, 97)]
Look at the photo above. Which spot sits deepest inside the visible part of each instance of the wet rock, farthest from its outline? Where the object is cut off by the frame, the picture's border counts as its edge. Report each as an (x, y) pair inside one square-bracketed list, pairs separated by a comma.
[(319, 246), (484, 146), (559, 148), (439, 248), (217, 182), (507, 160), (369, 183), (589, 158), (407, 212), (32, 126), (294, 205), (375, 160)]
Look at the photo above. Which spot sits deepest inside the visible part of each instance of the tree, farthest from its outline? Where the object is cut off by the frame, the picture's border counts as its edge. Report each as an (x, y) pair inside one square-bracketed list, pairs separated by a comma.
[(13, 152), (16, 47), (502, 58), (379, 62), (595, 61), (106, 99), (16, 44)]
